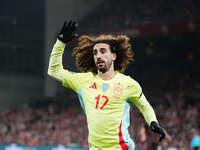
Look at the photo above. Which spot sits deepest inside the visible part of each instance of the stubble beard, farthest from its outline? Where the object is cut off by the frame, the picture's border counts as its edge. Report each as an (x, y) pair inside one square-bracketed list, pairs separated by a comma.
[(105, 68)]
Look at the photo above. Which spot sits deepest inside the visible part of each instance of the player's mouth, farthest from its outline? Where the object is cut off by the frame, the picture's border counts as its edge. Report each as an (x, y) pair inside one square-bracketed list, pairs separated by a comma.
[(100, 62)]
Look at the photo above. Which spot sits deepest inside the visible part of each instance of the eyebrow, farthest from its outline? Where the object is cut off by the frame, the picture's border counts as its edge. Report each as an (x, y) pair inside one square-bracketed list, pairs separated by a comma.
[(100, 49)]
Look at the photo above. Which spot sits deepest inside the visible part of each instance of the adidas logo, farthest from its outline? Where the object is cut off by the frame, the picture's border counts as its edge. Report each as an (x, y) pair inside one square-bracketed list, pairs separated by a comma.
[(93, 86)]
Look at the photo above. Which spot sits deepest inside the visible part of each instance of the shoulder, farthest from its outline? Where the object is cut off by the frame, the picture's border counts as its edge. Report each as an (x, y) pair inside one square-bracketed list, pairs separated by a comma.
[(123, 77), (130, 83), (76, 76), (85, 74), (81, 73), (133, 87), (128, 80)]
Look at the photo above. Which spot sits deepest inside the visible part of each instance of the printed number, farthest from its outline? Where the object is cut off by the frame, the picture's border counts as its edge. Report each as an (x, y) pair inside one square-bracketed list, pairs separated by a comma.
[(98, 99)]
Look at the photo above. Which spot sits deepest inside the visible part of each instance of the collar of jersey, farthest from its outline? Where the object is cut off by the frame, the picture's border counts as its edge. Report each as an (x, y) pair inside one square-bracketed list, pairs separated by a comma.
[(116, 74)]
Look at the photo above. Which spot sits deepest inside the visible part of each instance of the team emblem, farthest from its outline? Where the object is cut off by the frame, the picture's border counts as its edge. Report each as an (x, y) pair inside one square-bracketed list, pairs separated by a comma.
[(117, 90)]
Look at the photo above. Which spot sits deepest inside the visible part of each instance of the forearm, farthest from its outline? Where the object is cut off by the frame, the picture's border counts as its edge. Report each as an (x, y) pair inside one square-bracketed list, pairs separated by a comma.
[(55, 68), (146, 109)]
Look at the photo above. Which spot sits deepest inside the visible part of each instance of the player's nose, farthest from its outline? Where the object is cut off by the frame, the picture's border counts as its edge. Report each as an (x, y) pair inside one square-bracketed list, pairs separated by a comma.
[(99, 55)]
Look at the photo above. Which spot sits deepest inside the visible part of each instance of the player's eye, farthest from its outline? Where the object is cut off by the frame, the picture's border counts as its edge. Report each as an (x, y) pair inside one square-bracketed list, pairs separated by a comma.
[(102, 50), (94, 52)]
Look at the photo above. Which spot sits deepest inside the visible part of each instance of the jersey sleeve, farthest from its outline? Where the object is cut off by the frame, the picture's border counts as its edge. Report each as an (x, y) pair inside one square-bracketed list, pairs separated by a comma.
[(137, 97), (56, 70)]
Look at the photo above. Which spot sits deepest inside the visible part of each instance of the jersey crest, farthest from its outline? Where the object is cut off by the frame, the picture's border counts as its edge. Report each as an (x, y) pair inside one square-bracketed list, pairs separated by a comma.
[(117, 90)]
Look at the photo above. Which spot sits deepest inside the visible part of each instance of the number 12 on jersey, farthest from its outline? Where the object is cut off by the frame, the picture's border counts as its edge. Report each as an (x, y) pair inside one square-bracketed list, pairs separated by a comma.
[(102, 97)]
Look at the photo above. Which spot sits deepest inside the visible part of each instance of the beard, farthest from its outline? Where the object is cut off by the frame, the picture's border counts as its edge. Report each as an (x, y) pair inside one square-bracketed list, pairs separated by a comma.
[(105, 67), (103, 70)]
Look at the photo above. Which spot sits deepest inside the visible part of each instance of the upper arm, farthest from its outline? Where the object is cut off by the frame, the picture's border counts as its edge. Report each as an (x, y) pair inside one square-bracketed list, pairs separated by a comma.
[(70, 79), (134, 90), (73, 80), (138, 98)]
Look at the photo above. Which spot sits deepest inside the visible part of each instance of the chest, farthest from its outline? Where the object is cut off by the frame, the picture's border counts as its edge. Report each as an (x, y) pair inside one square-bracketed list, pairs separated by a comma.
[(104, 96)]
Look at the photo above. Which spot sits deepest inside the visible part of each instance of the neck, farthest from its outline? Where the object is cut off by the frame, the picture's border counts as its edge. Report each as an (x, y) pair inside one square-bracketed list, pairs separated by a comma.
[(107, 75)]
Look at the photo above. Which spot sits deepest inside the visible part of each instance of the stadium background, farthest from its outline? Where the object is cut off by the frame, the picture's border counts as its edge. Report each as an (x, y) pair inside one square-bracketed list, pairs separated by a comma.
[(36, 112)]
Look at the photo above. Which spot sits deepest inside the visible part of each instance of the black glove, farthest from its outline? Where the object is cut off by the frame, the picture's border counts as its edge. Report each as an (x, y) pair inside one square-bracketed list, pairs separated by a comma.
[(156, 128), (67, 32)]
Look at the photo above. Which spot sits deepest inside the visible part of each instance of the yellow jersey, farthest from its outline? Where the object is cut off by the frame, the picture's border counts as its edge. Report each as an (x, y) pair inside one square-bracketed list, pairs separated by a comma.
[(106, 103)]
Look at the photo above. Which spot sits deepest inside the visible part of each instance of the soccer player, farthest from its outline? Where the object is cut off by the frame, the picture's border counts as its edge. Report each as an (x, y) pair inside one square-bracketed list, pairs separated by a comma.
[(105, 94)]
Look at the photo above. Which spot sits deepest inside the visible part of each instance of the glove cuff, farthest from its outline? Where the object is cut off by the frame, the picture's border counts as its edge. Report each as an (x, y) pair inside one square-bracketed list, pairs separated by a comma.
[(59, 43)]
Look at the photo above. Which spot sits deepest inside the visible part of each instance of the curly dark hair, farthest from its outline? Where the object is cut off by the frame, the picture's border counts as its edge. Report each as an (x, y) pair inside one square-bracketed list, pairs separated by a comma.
[(118, 44)]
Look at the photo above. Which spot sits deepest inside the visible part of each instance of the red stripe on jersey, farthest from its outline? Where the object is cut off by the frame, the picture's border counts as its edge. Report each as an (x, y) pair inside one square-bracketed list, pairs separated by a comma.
[(121, 140)]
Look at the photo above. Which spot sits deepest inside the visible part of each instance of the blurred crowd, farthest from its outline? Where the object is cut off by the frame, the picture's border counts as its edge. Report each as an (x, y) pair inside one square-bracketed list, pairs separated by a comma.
[(174, 97), (44, 123), (112, 14)]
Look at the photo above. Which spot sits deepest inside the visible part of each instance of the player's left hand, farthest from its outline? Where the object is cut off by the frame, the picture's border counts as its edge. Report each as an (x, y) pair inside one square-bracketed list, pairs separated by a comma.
[(66, 34), (156, 128)]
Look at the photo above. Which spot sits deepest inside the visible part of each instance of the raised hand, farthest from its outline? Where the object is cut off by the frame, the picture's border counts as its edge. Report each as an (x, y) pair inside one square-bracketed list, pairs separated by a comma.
[(67, 32)]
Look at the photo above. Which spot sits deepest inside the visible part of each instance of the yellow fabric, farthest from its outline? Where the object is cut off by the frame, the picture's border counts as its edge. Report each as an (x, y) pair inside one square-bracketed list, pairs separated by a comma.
[(106, 103)]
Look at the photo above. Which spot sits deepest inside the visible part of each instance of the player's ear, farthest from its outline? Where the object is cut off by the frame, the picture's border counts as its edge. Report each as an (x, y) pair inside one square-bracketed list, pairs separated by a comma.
[(114, 56)]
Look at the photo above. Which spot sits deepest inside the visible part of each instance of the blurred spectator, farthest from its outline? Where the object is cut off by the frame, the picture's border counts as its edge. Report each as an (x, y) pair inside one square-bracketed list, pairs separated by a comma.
[(111, 14), (195, 143)]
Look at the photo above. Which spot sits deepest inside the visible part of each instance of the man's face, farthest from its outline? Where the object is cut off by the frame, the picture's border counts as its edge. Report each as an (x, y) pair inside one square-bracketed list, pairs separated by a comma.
[(103, 57)]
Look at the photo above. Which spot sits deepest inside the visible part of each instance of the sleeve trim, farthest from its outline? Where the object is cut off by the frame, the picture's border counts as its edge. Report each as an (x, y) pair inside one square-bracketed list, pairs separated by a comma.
[(140, 95)]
